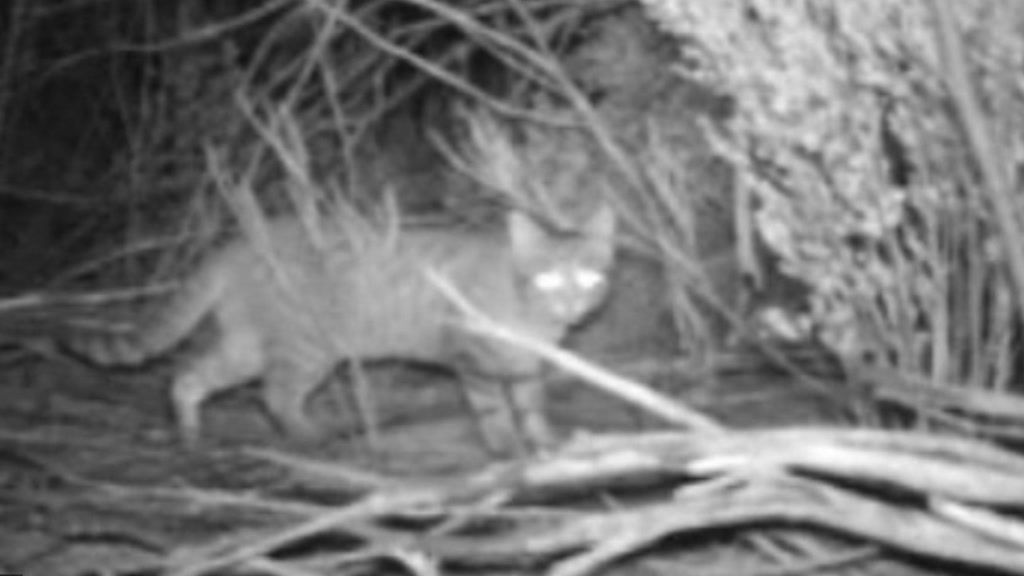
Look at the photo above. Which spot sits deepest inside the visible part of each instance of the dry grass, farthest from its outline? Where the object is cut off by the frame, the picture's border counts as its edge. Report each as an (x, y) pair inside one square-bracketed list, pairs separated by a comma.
[(709, 482), (899, 214), (220, 144)]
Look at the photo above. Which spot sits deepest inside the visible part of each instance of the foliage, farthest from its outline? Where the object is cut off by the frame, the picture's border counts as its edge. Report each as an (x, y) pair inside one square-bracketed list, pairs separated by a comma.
[(844, 136)]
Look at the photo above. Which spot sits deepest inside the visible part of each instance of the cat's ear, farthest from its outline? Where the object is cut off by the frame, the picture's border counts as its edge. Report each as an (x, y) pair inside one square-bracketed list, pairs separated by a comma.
[(599, 234), (528, 237), (601, 224)]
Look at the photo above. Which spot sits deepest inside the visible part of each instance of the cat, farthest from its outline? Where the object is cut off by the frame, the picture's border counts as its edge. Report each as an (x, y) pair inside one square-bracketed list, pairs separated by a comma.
[(289, 319)]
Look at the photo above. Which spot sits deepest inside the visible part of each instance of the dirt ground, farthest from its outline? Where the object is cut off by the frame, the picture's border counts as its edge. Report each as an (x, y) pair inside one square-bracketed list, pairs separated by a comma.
[(92, 477)]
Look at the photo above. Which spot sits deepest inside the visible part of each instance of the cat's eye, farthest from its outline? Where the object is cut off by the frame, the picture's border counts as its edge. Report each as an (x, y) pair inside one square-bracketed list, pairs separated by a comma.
[(549, 281), (588, 279)]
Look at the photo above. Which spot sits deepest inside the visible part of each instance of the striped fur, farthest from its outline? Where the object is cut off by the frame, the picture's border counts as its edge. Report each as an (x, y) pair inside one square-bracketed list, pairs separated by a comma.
[(288, 320)]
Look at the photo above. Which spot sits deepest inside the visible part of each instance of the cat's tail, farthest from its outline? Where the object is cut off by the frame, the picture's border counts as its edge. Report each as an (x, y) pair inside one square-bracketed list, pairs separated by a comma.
[(156, 334)]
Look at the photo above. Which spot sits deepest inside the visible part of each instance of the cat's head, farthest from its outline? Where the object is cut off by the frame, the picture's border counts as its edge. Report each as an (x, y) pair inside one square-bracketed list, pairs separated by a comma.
[(564, 274)]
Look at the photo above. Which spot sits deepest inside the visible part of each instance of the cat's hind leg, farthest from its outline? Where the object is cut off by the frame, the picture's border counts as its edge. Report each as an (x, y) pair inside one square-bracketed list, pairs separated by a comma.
[(287, 386), (230, 363)]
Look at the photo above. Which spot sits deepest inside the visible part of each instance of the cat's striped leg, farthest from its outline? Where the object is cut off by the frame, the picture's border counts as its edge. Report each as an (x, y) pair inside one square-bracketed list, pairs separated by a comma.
[(511, 415), (495, 417), (226, 365), (287, 386), (529, 401)]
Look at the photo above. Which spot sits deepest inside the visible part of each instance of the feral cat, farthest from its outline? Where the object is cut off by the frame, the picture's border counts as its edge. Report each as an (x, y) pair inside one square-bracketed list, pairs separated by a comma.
[(289, 318)]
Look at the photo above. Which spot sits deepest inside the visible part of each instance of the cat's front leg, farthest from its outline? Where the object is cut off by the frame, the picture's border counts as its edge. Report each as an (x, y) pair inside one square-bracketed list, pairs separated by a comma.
[(511, 415), (529, 402), (494, 416)]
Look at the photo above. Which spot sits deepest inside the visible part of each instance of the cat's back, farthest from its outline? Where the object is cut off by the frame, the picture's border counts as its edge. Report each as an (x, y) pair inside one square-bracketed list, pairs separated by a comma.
[(473, 258), (385, 298), (367, 294), (289, 250)]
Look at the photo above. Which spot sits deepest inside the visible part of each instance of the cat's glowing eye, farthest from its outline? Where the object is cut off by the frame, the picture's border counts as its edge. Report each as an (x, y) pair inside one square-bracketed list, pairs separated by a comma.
[(549, 281), (588, 279)]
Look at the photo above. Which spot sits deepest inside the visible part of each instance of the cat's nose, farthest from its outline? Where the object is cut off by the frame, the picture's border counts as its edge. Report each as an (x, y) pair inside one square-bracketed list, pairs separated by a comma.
[(569, 310)]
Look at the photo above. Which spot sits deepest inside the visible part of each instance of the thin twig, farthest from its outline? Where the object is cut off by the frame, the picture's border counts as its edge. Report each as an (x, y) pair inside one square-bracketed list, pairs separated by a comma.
[(642, 396)]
